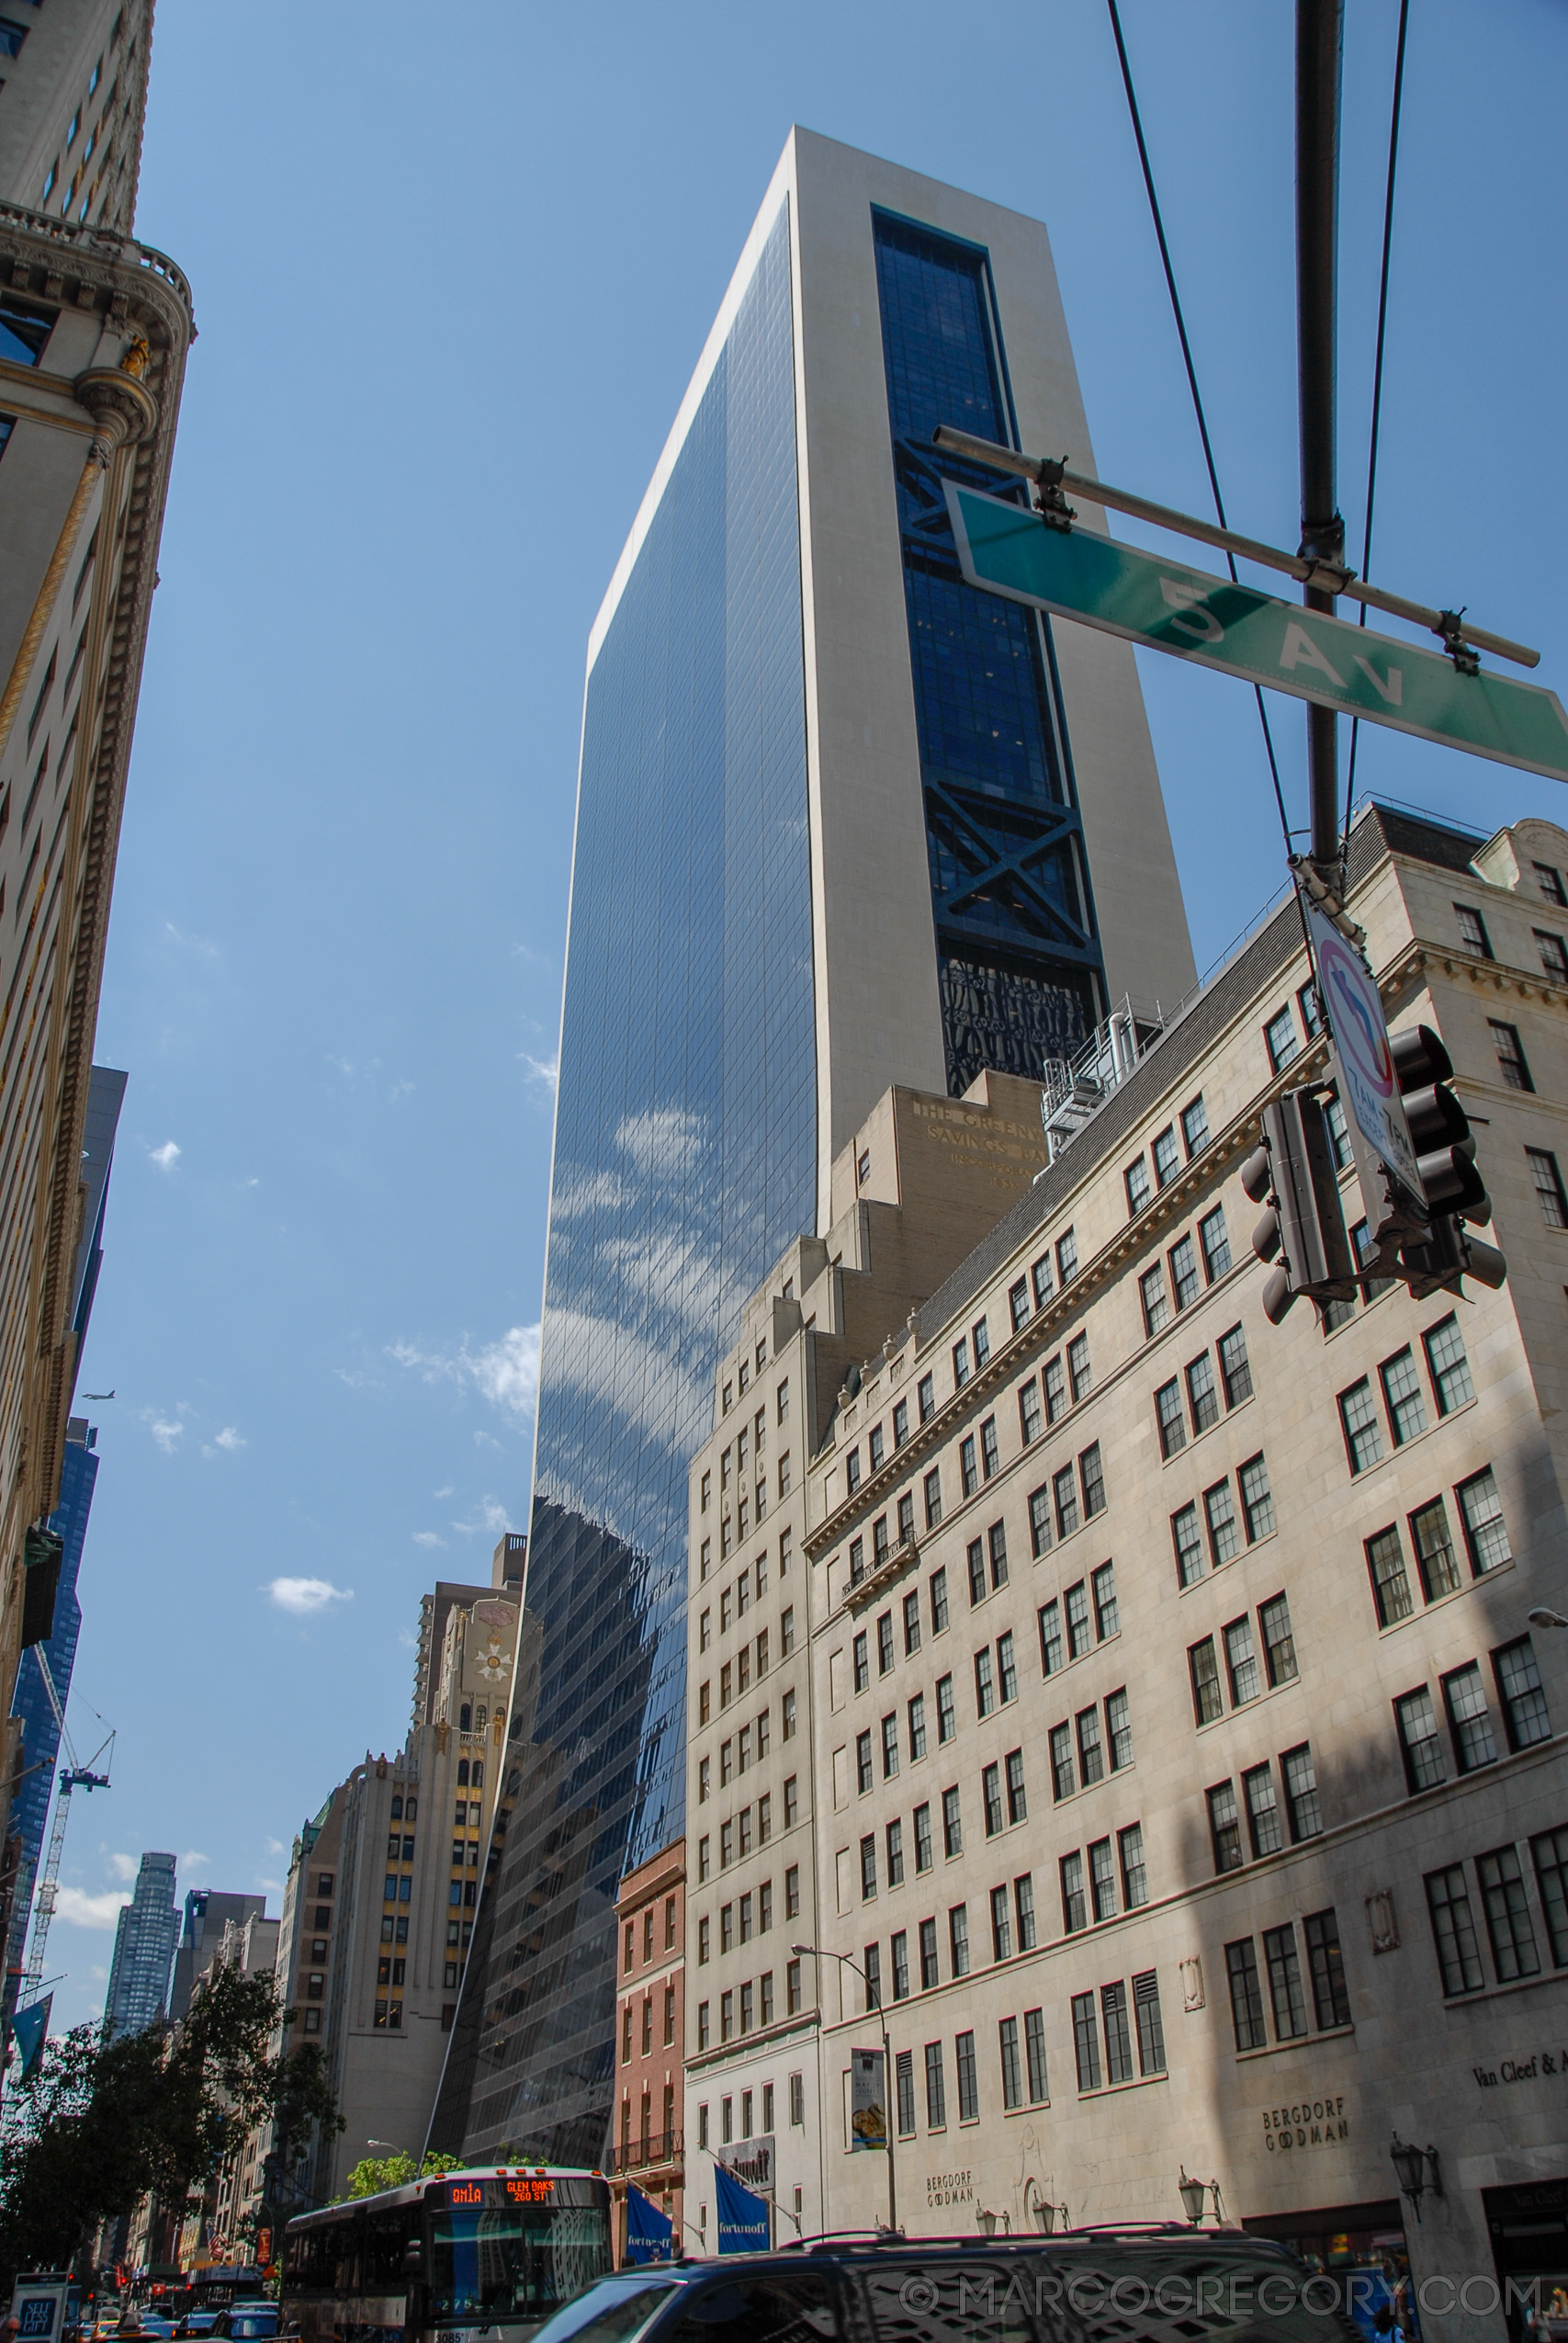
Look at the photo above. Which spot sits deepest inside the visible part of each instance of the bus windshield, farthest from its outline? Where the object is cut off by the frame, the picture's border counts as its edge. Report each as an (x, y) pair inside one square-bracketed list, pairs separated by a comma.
[(513, 2259)]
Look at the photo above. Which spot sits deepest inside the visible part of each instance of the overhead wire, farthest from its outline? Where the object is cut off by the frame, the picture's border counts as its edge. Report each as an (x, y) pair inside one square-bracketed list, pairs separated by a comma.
[(1377, 369), (1192, 377)]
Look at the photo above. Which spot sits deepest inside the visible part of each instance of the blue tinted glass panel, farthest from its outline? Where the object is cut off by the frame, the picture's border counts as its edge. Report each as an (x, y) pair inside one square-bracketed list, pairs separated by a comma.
[(684, 1163), (30, 1807)]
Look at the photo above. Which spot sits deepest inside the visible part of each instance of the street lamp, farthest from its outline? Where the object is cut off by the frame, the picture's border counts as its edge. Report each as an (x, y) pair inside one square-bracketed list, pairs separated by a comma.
[(1418, 2169), (1542, 1617), (1193, 2193), (1045, 2213), (821, 1952)]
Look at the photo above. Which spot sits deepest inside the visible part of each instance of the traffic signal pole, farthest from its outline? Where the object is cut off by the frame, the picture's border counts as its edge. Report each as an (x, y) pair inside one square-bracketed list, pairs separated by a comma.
[(1319, 51)]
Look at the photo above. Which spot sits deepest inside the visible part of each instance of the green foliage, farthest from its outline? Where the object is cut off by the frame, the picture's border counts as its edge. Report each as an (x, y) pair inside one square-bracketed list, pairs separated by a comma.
[(97, 2125), (377, 2172)]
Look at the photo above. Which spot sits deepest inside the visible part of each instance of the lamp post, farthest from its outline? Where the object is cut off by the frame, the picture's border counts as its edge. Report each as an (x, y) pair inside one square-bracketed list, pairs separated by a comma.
[(1045, 2213), (821, 1952), (1542, 1617), (1193, 2193), (1418, 2169)]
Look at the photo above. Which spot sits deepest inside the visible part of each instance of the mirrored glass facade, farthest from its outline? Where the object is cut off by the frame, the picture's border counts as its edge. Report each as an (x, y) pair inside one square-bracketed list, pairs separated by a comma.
[(1018, 958), (684, 1162)]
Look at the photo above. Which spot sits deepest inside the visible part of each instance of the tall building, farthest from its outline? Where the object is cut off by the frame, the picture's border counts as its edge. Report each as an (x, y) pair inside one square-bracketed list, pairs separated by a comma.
[(1188, 1695), (210, 1913), (144, 1940), (841, 822), (94, 333)]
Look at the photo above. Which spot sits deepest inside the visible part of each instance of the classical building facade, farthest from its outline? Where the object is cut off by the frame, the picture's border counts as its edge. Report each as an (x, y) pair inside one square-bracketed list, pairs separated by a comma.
[(902, 832), (648, 2147), (1186, 1707)]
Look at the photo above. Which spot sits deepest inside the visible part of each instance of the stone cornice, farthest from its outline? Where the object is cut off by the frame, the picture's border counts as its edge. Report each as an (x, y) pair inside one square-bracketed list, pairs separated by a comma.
[(95, 269)]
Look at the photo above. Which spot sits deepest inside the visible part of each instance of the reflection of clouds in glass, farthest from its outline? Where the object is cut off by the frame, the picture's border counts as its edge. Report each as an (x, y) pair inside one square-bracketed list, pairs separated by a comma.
[(676, 1272), (666, 1143), (633, 1377), (579, 1191)]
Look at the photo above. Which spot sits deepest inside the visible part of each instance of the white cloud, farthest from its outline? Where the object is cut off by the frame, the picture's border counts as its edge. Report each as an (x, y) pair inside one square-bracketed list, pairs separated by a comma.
[(544, 1070), (409, 1640), (166, 1431), (228, 1438), (428, 1537), (82, 1910), (124, 1866), (505, 1371), (304, 1596), (194, 1860), (274, 1846), (491, 1516), (201, 944), (166, 1156), (442, 1492)]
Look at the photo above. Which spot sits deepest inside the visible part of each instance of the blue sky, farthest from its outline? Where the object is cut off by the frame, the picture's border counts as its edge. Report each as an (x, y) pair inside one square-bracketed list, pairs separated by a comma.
[(453, 267)]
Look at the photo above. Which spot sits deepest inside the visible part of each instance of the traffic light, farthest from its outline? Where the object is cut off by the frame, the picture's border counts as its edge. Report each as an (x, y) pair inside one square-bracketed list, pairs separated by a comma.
[(1292, 1173), (1455, 1192)]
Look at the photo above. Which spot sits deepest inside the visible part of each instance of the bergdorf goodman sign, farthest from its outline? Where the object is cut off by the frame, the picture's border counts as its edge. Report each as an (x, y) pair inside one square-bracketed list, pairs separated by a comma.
[(949, 2188), (1308, 2123)]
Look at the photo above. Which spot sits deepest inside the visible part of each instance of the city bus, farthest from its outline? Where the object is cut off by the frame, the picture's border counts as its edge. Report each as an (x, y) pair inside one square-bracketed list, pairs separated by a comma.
[(437, 2261)]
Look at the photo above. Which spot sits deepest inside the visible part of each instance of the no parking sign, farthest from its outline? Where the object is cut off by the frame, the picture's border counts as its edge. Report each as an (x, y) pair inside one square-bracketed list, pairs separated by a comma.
[(1353, 1008)]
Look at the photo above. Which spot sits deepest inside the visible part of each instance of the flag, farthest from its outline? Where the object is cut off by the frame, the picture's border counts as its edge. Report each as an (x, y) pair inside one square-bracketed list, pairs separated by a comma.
[(742, 2217), (649, 2232), (31, 2028)]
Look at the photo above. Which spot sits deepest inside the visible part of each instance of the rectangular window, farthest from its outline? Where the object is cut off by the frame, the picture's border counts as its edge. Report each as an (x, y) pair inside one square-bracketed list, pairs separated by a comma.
[(982, 1339), (1091, 1750), (1510, 1055), (1065, 1490), (1034, 2053), (1085, 2042), (883, 1643), (1553, 953), (958, 1939), (1066, 1257), (1214, 1238), (911, 1623), (1224, 1534), (900, 1423), (863, 1772), (1550, 1851), (1257, 1500), (968, 2088), (868, 1868), (1063, 1776), (1167, 1156), (992, 1795), (1118, 2042), (961, 1363), (1023, 1910), (1172, 1422), (1551, 883), (1079, 1376), (1075, 1902), (1503, 1899), (925, 1393), (1470, 1726), (1195, 1128), (1051, 1655), (859, 1656), (1435, 1555), (1339, 1135), (930, 1974), (1224, 1827), (895, 1854), (1523, 1699), (932, 1490), (899, 1948), (1402, 1397), (922, 1837), (936, 2092), (952, 1824), (1018, 1303), (1151, 1292), (1031, 1422), (1447, 1365), (889, 1747), (1136, 1180), (1246, 1997), (1202, 1397), (1358, 1415), (1203, 1669), (1188, 1546), (985, 1682), (1101, 1880), (907, 1519), (1280, 1033), (976, 1560), (1419, 1744), (1119, 1731), (1300, 1793), (1285, 1983), (1263, 1824), (1485, 1533), (1102, 1585), (1331, 2001), (1001, 1925), (1183, 1273), (996, 1539), (937, 1591), (1076, 1601), (1055, 1389), (1040, 1277), (1548, 1186), (1151, 2032), (1453, 1929), (1234, 1369), (946, 1711), (968, 1465), (1472, 930), (1091, 1476), (903, 2068), (1391, 1587), (1040, 1521), (1279, 1643), (990, 1450), (871, 1961), (1134, 1875)]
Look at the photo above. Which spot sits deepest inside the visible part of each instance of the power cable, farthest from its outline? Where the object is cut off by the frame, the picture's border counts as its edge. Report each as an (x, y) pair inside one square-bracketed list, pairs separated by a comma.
[(1377, 369), (1192, 379)]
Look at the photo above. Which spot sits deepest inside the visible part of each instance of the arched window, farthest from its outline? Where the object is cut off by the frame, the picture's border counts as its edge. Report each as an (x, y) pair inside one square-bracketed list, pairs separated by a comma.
[(478, 1776), (397, 1810), (462, 1773), (481, 1717), (465, 1718)]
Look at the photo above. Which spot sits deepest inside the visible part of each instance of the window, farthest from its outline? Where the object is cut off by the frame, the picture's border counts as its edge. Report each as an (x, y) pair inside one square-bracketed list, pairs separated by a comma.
[(1031, 1422), (958, 1939), (1331, 2001), (1018, 1302), (889, 1747), (925, 1394), (1107, 1617), (1481, 1509), (1207, 1704), (952, 1824), (1279, 1644), (1510, 1055), (1339, 1135), (1151, 1291), (1507, 1915), (1041, 1276), (792, 1893), (877, 1446), (1264, 1827), (1075, 1902), (991, 1796), (1001, 1925), (990, 1454), (12, 36), (787, 1711), (1055, 1389), (1550, 1852), (1007, 1668), (1051, 1657), (1418, 1743), (871, 1962), (1076, 1602), (1215, 1241), (1078, 1366), (1034, 2052), (1091, 1475), (1188, 1546), (1256, 1500), (1235, 1370), (1402, 1397), (1435, 1555), (936, 2094), (1023, 1909), (899, 1948), (1202, 1398), (1300, 1793), (961, 1363), (968, 1465), (1085, 2042), (1172, 1422), (884, 1643), (911, 1623), (1447, 1365), (1065, 1490), (1472, 930), (1548, 1186), (922, 1837), (1225, 1538), (1066, 1257), (1280, 1033), (968, 2091), (1119, 1731), (1117, 2042), (1358, 1415), (1101, 1880), (1453, 1929), (1167, 1156), (985, 1684), (1224, 1827), (930, 1974), (946, 1712), (1553, 956), (932, 1490), (976, 1557), (916, 1728), (794, 1997), (1183, 1273), (1134, 1877), (1151, 2032), (1247, 1999), (1241, 1662), (861, 1657), (1525, 1717), (868, 1868), (895, 1854), (1091, 1748), (1195, 1127), (982, 1340), (1285, 1983), (1136, 1180), (904, 2069), (1551, 883), (851, 1471), (863, 1772), (1064, 1779)]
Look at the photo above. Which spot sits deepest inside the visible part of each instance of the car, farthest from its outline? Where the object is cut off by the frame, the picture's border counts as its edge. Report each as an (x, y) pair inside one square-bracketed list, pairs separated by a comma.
[(197, 2323), (246, 2322)]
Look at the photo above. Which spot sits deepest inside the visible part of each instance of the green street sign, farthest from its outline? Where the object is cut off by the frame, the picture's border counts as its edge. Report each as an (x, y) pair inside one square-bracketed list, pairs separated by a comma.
[(1077, 573)]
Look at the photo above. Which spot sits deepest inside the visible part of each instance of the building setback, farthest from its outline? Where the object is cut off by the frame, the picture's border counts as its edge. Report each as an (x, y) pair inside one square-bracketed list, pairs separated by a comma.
[(1187, 1753), (841, 823)]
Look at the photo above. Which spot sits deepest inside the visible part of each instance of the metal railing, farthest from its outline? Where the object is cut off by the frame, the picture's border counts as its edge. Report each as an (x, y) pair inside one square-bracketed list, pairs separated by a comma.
[(650, 2147)]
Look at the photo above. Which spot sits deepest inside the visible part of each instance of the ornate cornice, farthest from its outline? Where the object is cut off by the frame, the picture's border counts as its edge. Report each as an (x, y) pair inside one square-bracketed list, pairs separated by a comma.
[(96, 269)]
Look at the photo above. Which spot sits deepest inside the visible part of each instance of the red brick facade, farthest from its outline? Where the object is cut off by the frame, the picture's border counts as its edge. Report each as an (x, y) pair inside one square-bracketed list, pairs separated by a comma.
[(647, 2145)]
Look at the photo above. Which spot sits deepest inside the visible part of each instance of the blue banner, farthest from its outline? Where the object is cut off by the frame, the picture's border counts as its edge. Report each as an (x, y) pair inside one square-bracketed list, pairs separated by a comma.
[(29, 2028), (742, 2217), (649, 2233)]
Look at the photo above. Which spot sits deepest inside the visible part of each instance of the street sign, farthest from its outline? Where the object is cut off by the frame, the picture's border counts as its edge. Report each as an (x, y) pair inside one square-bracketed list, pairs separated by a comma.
[(1353, 1007), (1077, 573)]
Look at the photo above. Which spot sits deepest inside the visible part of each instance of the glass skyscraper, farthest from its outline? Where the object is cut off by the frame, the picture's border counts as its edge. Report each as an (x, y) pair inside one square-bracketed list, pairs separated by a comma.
[(830, 835)]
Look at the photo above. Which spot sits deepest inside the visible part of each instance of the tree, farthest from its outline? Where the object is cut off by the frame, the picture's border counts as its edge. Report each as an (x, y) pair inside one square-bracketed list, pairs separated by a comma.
[(98, 2124), (377, 2172)]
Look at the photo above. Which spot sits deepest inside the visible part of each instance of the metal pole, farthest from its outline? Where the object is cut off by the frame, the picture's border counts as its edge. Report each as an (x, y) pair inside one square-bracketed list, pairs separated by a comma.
[(821, 1952), (1319, 52)]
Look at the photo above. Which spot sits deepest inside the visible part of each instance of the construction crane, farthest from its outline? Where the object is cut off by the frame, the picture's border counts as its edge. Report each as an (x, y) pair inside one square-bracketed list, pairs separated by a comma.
[(74, 1775)]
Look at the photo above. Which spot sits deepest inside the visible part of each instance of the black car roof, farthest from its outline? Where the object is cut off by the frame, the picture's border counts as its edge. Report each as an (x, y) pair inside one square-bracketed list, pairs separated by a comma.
[(864, 2247)]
